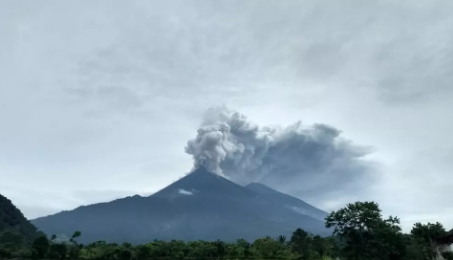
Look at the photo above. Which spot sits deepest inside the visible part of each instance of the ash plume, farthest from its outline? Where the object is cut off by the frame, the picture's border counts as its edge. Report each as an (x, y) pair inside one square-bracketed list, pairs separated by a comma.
[(302, 160)]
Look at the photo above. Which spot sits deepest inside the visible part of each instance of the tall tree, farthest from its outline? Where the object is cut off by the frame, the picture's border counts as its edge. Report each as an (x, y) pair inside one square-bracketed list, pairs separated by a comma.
[(74, 236), (320, 246), (301, 242), (428, 232), (74, 249), (423, 236), (40, 247), (365, 234)]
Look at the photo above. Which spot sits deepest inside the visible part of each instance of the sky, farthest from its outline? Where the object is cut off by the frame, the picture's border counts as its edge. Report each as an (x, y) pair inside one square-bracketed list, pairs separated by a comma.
[(98, 99)]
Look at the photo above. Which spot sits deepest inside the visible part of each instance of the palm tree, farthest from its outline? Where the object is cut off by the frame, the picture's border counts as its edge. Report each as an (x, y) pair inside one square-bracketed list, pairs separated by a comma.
[(281, 239), (74, 236)]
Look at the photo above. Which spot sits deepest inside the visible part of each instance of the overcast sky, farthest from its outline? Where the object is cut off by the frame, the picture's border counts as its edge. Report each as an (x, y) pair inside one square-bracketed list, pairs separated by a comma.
[(99, 98)]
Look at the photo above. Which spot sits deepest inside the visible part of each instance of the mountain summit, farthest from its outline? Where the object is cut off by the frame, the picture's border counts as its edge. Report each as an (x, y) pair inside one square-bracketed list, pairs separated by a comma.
[(203, 183), (202, 205)]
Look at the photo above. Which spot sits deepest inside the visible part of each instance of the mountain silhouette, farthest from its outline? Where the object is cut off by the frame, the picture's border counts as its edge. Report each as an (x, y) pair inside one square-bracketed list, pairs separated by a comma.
[(202, 205)]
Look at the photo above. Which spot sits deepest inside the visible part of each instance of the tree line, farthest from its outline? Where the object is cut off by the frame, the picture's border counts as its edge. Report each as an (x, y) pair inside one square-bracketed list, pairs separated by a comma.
[(360, 232)]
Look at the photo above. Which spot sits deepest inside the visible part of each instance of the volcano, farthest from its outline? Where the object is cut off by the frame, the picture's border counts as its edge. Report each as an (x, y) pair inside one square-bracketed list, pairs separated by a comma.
[(287, 201), (202, 205)]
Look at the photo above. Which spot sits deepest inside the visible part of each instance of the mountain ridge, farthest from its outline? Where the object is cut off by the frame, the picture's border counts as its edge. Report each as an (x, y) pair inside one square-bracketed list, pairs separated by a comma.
[(200, 205), (294, 203)]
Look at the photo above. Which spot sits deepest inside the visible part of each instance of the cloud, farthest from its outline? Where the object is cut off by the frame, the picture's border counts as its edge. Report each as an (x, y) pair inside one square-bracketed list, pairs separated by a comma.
[(110, 92), (309, 161), (185, 192)]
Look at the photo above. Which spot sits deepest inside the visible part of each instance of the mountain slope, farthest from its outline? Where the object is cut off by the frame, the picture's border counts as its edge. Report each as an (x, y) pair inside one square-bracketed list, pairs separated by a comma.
[(288, 201), (12, 219), (201, 205), (230, 207)]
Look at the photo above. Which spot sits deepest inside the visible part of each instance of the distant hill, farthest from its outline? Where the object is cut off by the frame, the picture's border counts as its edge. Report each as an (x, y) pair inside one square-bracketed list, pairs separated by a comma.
[(202, 205), (288, 201), (12, 219)]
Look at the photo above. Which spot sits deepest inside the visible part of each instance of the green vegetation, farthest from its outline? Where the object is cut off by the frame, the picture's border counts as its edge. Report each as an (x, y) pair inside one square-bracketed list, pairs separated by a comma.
[(359, 233), (16, 232)]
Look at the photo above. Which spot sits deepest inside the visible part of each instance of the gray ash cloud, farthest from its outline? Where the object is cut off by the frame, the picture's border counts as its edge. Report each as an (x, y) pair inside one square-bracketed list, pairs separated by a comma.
[(305, 160)]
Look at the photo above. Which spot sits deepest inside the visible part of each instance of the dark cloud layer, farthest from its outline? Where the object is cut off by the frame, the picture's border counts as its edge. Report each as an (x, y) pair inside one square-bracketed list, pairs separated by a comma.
[(304, 160)]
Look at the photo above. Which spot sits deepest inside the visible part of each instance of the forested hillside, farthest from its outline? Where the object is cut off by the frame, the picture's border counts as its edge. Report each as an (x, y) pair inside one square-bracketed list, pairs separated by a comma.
[(16, 232)]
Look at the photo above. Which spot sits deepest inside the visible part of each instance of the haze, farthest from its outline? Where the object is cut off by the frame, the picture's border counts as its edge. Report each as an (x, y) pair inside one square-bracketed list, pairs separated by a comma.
[(99, 99)]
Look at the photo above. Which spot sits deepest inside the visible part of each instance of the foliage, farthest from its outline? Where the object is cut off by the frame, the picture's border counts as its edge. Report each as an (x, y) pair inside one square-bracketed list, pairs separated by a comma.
[(422, 236), (359, 233), (16, 232), (426, 233), (263, 248), (40, 247), (365, 234), (13, 221)]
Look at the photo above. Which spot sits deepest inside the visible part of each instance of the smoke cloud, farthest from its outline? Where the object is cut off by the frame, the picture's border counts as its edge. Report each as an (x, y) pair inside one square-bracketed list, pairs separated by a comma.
[(301, 160)]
